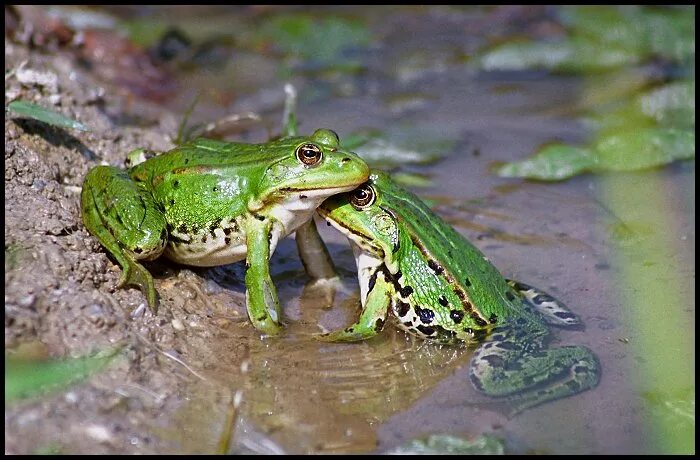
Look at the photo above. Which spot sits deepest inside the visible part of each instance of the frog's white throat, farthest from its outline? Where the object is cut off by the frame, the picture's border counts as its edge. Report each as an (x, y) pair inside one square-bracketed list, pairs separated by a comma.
[(298, 208), (367, 265)]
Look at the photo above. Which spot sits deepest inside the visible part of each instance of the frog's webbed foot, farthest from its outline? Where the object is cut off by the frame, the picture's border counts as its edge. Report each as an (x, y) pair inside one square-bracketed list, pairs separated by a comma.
[(353, 333), (372, 318), (527, 377), (552, 310)]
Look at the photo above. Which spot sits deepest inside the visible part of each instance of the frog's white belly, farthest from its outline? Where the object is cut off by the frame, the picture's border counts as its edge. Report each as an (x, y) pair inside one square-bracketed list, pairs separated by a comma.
[(223, 245), (226, 243)]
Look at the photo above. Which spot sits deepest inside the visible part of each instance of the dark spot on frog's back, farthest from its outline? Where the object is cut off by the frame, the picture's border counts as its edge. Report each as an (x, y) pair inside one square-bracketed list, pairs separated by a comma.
[(467, 283), (427, 330), (406, 291), (182, 228), (443, 301), (176, 183), (457, 316), (426, 316)]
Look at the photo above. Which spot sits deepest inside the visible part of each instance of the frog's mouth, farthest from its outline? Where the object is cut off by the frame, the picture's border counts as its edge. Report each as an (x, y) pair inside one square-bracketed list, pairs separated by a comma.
[(363, 241), (318, 191)]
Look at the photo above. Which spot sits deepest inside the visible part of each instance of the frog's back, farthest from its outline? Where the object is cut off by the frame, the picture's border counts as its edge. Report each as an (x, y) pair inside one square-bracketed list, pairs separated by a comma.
[(467, 287)]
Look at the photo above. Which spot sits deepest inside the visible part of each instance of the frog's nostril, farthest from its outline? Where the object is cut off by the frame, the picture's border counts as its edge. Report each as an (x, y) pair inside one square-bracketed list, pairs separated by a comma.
[(345, 160)]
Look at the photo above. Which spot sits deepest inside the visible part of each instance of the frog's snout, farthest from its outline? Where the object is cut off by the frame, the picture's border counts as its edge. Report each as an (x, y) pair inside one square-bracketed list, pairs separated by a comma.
[(354, 169)]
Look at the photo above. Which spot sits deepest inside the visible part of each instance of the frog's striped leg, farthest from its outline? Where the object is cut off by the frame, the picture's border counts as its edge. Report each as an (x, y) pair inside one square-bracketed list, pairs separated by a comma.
[(553, 311), (313, 252), (373, 314), (514, 364), (261, 296), (123, 216)]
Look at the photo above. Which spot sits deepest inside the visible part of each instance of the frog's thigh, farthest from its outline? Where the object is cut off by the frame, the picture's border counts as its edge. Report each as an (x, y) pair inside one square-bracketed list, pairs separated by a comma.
[(122, 215), (261, 296), (313, 252), (503, 369), (373, 314)]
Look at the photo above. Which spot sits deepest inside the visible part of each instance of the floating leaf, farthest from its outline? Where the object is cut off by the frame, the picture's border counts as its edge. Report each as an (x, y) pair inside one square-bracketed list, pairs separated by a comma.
[(671, 105), (646, 148), (627, 151), (553, 162), (402, 145), (25, 378), (40, 113), (411, 179)]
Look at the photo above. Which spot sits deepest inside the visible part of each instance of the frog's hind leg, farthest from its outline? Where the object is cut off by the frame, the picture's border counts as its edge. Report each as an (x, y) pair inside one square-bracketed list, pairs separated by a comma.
[(511, 369), (122, 215), (551, 310)]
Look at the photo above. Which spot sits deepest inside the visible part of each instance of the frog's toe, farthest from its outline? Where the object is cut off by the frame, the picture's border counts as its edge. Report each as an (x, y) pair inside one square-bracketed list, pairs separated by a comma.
[(266, 324)]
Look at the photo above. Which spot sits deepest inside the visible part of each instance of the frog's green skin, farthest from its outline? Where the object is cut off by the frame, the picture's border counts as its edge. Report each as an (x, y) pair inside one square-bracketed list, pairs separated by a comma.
[(441, 287), (210, 203)]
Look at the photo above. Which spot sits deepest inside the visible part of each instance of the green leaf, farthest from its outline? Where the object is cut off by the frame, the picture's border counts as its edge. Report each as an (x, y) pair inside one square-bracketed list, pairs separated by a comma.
[(553, 162), (671, 105), (26, 378), (645, 148), (627, 151), (42, 114)]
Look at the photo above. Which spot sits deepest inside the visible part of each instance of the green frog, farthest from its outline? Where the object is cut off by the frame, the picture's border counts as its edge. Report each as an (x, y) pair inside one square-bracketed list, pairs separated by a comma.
[(440, 287), (208, 203)]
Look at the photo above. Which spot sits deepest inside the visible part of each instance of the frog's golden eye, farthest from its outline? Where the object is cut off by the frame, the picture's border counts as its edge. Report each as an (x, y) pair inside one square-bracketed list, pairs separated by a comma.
[(362, 197), (309, 154)]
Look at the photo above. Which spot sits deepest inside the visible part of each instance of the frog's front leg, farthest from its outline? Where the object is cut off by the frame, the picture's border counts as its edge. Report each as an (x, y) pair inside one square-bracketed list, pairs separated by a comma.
[(261, 296), (521, 369), (123, 216), (373, 315)]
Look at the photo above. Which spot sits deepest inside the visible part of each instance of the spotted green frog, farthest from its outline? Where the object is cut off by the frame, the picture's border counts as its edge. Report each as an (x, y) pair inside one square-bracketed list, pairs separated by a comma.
[(440, 287), (208, 203)]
